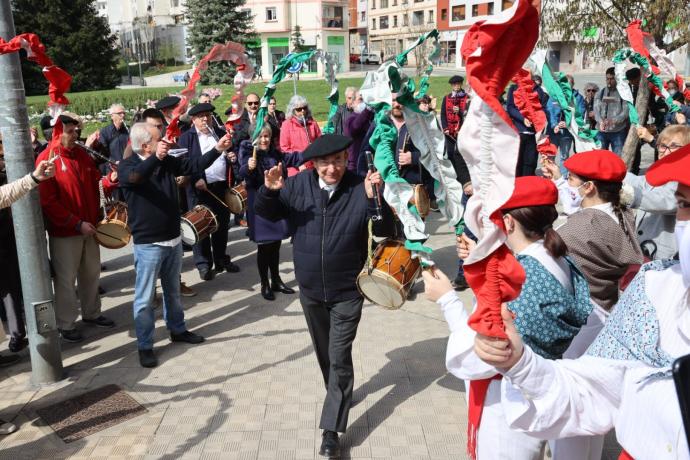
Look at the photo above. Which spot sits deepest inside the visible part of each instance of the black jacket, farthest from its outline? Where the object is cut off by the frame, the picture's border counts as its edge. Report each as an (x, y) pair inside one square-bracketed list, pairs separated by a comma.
[(150, 191), (329, 238), (340, 118)]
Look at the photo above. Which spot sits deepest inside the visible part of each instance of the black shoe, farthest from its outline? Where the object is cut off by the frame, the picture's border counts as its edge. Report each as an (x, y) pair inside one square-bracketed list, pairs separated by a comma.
[(460, 283), (330, 446), (71, 335), (17, 344), (186, 247), (101, 321), (147, 358), (186, 336), (266, 292), (207, 274), (8, 360), (278, 285), (101, 291), (229, 267)]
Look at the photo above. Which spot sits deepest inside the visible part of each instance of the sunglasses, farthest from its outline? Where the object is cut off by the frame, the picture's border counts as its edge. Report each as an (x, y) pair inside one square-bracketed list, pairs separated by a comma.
[(252, 102), (300, 109), (591, 90)]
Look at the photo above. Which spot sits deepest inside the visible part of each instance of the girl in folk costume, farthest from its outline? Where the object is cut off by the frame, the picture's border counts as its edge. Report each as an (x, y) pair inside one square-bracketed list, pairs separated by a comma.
[(254, 161), (624, 380), (298, 131), (552, 306), (600, 234)]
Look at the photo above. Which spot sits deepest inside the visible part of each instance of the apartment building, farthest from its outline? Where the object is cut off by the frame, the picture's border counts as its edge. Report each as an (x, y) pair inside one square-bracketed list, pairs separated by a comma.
[(146, 27), (394, 25), (323, 25), (358, 26)]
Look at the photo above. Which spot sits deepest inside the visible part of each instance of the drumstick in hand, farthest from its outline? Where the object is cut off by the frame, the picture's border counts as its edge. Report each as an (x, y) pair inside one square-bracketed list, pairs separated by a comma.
[(254, 153), (216, 197)]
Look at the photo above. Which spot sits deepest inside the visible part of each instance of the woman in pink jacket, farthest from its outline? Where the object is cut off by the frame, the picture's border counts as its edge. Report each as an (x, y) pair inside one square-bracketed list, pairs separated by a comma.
[(298, 130)]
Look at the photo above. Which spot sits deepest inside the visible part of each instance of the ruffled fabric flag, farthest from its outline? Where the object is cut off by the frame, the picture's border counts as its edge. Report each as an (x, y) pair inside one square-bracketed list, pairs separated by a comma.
[(231, 52), (559, 90), (528, 103), (643, 43), (494, 51), (279, 73), (59, 81)]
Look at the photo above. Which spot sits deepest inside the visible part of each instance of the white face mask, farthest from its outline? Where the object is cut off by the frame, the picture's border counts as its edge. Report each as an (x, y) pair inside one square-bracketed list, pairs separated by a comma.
[(682, 232), (672, 92), (574, 195)]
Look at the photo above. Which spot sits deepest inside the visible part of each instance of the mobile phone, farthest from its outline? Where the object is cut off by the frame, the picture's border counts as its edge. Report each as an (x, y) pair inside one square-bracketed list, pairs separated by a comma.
[(681, 377)]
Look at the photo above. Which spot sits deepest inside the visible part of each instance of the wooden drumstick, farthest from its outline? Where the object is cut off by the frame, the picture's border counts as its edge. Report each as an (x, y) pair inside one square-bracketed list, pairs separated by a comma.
[(214, 196), (254, 153)]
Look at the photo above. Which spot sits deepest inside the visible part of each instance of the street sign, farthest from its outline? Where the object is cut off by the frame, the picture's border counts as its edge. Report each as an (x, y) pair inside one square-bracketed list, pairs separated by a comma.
[(295, 67)]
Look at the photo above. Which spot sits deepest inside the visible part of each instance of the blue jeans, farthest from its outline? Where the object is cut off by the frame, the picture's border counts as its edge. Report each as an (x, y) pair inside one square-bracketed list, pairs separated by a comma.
[(613, 141), (565, 145), (150, 261)]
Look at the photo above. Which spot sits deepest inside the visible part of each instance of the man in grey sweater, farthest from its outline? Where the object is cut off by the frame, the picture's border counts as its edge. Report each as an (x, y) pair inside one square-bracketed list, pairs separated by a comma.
[(611, 114)]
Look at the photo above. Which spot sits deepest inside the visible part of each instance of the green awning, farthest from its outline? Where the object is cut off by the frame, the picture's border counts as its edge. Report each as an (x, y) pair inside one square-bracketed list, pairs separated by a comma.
[(254, 43), (336, 40), (278, 41)]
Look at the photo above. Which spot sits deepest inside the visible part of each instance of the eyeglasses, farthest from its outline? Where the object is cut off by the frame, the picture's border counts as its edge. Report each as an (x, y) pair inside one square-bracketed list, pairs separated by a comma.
[(300, 109), (122, 114), (668, 148), (591, 90), (252, 102), (339, 163)]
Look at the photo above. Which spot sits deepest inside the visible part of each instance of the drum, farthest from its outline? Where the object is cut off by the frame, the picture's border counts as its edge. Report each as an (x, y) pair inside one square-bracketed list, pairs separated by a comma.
[(113, 231), (388, 280), (236, 199), (420, 199), (197, 224)]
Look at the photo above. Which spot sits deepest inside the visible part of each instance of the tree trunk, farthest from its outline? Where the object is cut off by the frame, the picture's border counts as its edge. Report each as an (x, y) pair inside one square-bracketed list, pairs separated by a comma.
[(642, 106)]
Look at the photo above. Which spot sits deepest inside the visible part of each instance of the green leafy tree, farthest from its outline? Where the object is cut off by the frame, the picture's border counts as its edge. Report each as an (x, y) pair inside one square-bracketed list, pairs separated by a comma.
[(218, 21), (76, 39), (297, 41), (598, 26)]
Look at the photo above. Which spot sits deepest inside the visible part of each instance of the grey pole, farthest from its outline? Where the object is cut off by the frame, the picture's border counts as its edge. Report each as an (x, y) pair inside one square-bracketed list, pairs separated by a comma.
[(44, 343)]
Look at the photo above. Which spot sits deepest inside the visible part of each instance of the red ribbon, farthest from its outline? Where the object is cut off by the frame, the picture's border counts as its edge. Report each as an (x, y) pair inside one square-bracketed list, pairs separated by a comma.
[(478, 391)]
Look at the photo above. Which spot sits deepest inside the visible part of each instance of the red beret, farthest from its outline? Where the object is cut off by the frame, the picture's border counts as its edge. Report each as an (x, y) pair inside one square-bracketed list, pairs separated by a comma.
[(674, 167), (601, 165), (532, 191)]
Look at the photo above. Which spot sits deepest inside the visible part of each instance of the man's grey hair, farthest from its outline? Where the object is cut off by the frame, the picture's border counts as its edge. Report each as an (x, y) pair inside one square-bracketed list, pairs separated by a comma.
[(113, 108), (297, 101), (591, 85), (140, 134), (351, 89)]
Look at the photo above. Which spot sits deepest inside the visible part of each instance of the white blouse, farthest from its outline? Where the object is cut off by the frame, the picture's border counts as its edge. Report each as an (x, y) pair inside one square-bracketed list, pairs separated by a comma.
[(591, 395)]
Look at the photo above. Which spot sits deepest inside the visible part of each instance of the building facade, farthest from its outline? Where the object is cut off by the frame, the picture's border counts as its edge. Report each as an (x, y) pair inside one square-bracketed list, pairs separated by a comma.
[(394, 25), (322, 25)]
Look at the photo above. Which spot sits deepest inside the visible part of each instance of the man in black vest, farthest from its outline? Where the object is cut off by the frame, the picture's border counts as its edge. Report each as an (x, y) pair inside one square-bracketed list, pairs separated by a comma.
[(328, 209), (147, 180)]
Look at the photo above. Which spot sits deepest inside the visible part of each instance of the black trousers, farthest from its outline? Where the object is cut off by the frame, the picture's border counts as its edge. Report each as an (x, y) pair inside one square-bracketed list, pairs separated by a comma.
[(268, 257), (333, 327), (211, 249), (527, 156)]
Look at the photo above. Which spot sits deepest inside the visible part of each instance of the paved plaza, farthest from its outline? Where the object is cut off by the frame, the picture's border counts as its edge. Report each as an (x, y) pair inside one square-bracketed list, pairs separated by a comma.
[(253, 390)]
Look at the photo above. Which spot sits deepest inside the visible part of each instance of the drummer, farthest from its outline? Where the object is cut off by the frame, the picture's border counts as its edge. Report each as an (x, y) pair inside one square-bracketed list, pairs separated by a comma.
[(154, 219), (208, 188), (328, 209)]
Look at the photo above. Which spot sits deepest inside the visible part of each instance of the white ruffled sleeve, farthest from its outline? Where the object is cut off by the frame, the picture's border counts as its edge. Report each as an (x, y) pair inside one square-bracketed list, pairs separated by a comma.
[(556, 399), (461, 361)]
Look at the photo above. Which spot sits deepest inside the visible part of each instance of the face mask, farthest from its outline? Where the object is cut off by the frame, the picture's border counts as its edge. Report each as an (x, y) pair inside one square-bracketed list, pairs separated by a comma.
[(672, 92), (574, 196), (359, 108), (682, 232)]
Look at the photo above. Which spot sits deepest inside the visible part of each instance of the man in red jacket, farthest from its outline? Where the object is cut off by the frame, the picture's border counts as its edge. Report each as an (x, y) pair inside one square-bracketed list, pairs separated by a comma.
[(71, 208)]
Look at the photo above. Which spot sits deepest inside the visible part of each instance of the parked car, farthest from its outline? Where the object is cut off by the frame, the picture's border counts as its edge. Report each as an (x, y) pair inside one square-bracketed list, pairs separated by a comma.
[(354, 58), (371, 59)]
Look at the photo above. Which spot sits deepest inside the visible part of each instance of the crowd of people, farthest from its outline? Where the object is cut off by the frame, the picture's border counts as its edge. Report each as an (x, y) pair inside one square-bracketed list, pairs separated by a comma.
[(318, 190)]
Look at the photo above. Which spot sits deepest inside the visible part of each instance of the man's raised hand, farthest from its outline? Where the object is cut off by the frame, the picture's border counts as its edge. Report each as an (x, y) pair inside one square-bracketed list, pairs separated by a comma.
[(273, 178)]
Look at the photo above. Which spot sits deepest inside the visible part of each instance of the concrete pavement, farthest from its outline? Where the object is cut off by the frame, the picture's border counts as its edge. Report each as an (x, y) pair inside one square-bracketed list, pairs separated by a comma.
[(253, 390)]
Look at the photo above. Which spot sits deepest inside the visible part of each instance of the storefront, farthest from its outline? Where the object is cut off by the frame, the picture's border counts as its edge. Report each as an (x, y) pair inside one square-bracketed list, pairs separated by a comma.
[(278, 48), (336, 48)]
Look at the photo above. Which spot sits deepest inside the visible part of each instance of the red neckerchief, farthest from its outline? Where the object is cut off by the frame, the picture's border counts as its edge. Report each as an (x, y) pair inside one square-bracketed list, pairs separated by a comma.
[(478, 391)]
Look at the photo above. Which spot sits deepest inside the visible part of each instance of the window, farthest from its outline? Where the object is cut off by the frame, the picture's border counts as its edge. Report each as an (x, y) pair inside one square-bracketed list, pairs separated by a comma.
[(406, 20), (458, 13), (373, 4), (418, 18), (431, 17), (507, 4), (444, 14), (271, 14), (332, 16), (173, 3), (491, 8), (418, 1), (364, 16), (475, 11), (373, 23), (395, 21), (395, 2), (383, 22), (384, 3)]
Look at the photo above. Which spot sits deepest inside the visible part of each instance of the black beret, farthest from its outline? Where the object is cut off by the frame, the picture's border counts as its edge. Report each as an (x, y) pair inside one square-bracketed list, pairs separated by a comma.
[(201, 108), (228, 111), (68, 119), (633, 73), (456, 79), (167, 102), (328, 144), (45, 122), (152, 113)]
